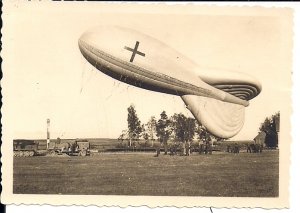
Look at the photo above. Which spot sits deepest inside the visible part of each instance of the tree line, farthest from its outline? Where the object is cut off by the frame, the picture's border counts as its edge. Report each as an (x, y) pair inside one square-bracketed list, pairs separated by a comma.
[(177, 127), (181, 128)]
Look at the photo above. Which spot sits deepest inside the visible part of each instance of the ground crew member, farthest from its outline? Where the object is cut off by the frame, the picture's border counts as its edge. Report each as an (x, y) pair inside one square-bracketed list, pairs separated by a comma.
[(157, 150), (188, 148), (200, 147)]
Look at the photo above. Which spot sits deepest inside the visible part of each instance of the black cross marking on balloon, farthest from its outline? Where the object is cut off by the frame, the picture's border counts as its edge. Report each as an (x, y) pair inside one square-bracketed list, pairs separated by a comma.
[(134, 51)]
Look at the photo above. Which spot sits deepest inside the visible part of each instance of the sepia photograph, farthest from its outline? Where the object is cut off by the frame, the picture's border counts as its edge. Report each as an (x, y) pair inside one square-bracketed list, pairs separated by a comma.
[(184, 105)]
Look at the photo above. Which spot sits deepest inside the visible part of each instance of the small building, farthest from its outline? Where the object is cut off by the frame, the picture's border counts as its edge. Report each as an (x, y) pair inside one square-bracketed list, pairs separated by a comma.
[(260, 138)]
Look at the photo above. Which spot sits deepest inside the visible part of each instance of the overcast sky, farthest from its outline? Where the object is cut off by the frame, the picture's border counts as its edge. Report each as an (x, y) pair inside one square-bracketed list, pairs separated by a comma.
[(46, 76)]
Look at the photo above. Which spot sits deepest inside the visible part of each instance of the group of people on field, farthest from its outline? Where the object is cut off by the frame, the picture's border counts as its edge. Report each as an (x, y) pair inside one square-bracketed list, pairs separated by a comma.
[(235, 148), (254, 148), (185, 149), (251, 148)]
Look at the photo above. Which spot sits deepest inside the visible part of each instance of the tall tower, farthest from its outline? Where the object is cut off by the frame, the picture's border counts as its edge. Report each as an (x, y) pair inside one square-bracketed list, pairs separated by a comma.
[(48, 132)]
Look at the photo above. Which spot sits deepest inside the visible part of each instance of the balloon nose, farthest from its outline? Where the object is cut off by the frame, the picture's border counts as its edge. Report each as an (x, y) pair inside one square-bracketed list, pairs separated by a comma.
[(86, 42)]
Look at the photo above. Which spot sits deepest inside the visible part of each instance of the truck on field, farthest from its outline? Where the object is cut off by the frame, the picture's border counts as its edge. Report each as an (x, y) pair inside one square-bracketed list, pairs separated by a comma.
[(25, 148), (79, 147)]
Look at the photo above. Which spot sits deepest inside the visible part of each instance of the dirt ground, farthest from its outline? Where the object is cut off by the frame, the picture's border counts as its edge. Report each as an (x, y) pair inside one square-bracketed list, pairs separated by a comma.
[(219, 174)]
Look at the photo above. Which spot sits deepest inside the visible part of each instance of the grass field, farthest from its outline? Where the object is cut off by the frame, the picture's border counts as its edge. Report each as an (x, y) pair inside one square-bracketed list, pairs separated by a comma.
[(219, 174)]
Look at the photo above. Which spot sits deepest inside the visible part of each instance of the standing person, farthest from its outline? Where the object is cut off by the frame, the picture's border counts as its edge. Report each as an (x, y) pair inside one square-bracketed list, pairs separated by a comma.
[(182, 148), (188, 148), (206, 147), (248, 148), (165, 147), (236, 148), (200, 147), (210, 145), (157, 150)]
